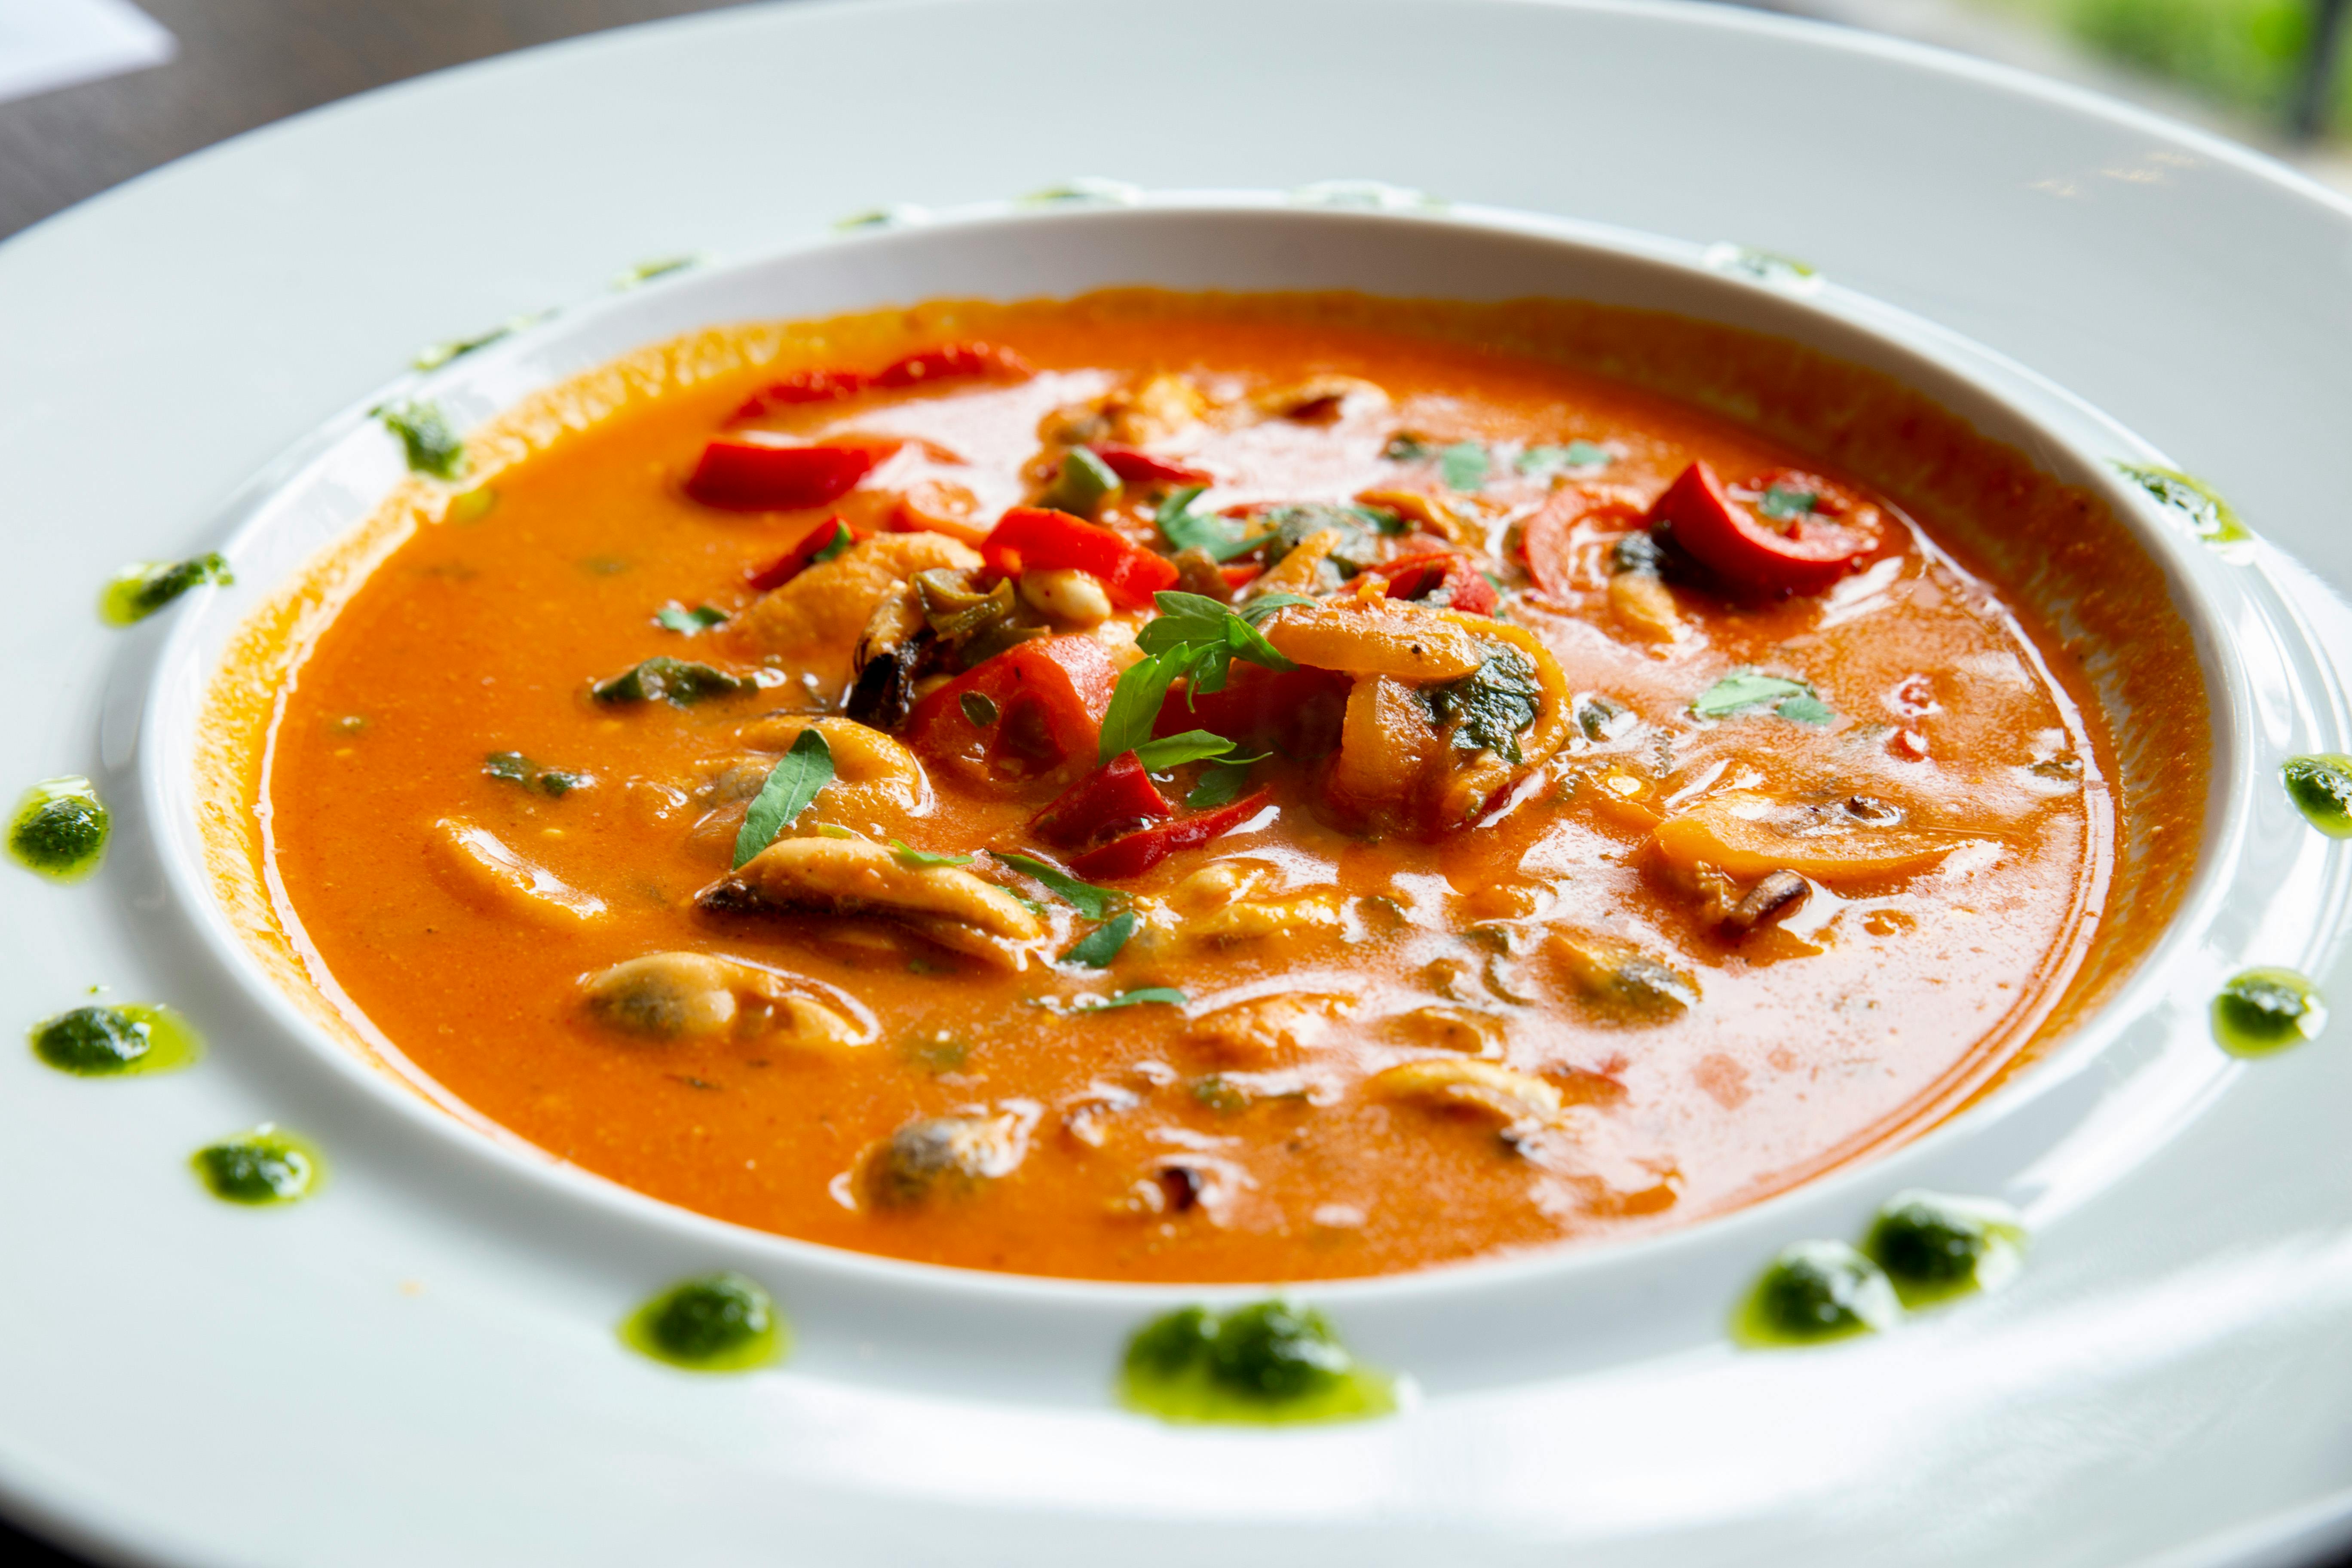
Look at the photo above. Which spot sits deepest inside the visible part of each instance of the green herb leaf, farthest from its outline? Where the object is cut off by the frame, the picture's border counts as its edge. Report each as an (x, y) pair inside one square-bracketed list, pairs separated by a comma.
[(1185, 529), (1780, 502), (1221, 784), (791, 784), (674, 681), (424, 435), (1575, 455), (1463, 466), (689, 623), (1175, 751), (1806, 710), (1743, 689), (1100, 945), (1148, 996), (1486, 710), (907, 855), (1194, 636), (1095, 903), (1406, 447), (513, 767), (841, 539), (1135, 702), (1085, 482)]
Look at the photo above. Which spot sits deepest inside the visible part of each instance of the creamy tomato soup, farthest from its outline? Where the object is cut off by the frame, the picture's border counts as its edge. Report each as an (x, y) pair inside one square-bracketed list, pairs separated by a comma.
[(1203, 788)]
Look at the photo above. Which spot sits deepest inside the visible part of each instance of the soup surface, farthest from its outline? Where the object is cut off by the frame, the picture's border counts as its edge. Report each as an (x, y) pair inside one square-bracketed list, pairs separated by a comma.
[(1178, 791)]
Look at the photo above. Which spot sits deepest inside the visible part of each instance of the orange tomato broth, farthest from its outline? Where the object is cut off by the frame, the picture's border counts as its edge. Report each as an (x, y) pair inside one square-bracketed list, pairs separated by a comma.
[(359, 713)]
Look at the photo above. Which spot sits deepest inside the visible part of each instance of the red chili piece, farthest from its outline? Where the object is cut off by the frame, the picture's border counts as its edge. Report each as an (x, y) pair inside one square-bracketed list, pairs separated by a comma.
[(1111, 799), (1138, 852), (827, 538), (951, 361), (803, 386), (1040, 704), (1298, 710), (1137, 467), (1802, 555), (1031, 539), (1442, 580), (760, 475)]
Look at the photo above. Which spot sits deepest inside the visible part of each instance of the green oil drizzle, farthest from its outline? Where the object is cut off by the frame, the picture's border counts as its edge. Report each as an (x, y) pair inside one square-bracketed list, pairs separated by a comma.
[(143, 587), (1933, 1246), (115, 1041), (1816, 1291), (260, 1167), (2321, 788), (2264, 1010), (60, 829), (425, 439), (1268, 1363), (718, 1322), (2211, 518)]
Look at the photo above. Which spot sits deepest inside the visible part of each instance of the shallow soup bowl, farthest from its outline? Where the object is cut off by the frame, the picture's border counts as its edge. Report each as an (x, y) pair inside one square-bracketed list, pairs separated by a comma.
[(2123, 1062)]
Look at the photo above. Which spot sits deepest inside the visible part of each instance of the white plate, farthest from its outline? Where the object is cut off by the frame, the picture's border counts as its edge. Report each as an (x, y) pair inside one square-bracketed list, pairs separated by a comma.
[(420, 1362)]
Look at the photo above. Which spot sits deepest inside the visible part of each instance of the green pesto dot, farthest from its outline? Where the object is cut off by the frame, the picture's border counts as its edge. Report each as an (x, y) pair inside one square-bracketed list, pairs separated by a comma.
[(143, 587), (2321, 788), (60, 829), (2265, 1010), (718, 1322), (103, 1041), (260, 1167), (1265, 1363), (1816, 1291), (425, 438), (1934, 1245)]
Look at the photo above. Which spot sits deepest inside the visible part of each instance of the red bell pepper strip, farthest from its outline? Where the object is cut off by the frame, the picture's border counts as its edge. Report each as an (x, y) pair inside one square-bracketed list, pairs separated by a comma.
[(1114, 797), (822, 542), (1749, 554), (1442, 579), (1138, 852), (1136, 467), (1298, 711), (1034, 706), (949, 362), (1031, 539), (761, 476), (803, 386)]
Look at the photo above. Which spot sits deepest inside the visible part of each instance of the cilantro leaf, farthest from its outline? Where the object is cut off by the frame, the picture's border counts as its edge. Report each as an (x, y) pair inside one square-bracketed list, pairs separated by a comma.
[(1463, 466), (676, 617), (907, 855), (1095, 903), (1221, 537), (1099, 946), (791, 784)]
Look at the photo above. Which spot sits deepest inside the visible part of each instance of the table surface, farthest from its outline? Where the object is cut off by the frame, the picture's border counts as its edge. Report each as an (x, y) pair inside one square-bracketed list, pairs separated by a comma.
[(242, 64)]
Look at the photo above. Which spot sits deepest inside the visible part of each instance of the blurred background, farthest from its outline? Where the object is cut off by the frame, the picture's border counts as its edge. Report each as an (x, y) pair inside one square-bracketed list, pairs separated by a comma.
[(93, 92)]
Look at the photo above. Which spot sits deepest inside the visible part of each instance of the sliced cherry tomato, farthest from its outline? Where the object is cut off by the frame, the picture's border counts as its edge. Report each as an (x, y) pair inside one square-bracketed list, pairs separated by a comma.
[(1298, 710), (1113, 798), (1031, 539), (822, 542), (949, 362), (761, 476), (1753, 555), (803, 386), (1020, 715), (1138, 852), (1137, 467), (1443, 579)]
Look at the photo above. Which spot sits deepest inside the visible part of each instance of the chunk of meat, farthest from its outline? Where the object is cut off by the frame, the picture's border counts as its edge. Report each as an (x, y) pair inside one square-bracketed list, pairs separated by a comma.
[(813, 622), (857, 877), (1748, 835), (667, 995), (937, 1155), (478, 866), (1265, 1030)]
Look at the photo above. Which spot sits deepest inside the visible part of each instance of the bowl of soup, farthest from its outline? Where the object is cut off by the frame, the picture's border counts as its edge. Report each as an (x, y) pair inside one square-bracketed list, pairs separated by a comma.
[(1217, 743)]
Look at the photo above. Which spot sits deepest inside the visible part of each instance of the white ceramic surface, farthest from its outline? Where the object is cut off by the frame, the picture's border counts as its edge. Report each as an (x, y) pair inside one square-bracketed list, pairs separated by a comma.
[(420, 1360)]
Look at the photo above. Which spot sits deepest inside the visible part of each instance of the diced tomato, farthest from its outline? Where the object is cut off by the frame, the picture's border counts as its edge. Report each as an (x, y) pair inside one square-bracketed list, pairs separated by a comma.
[(1031, 539), (742, 475), (1242, 575), (1138, 852), (1750, 554), (1034, 706), (803, 386), (1443, 579), (949, 362), (1114, 797), (826, 541), (1298, 710), (1136, 467)]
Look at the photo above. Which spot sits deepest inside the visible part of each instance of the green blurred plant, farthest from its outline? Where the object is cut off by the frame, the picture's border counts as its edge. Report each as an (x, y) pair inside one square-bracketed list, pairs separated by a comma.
[(2248, 54)]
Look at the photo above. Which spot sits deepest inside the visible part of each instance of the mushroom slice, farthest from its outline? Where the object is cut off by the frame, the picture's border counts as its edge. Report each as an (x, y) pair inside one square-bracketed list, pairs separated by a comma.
[(666, 995), (1749, 836), (857, 877), (485, 873), (938, 1154), (1510, 1097)]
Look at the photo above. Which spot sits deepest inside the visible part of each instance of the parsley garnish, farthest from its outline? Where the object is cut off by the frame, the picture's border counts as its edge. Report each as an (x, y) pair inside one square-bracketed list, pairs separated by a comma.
[(791, 784)]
